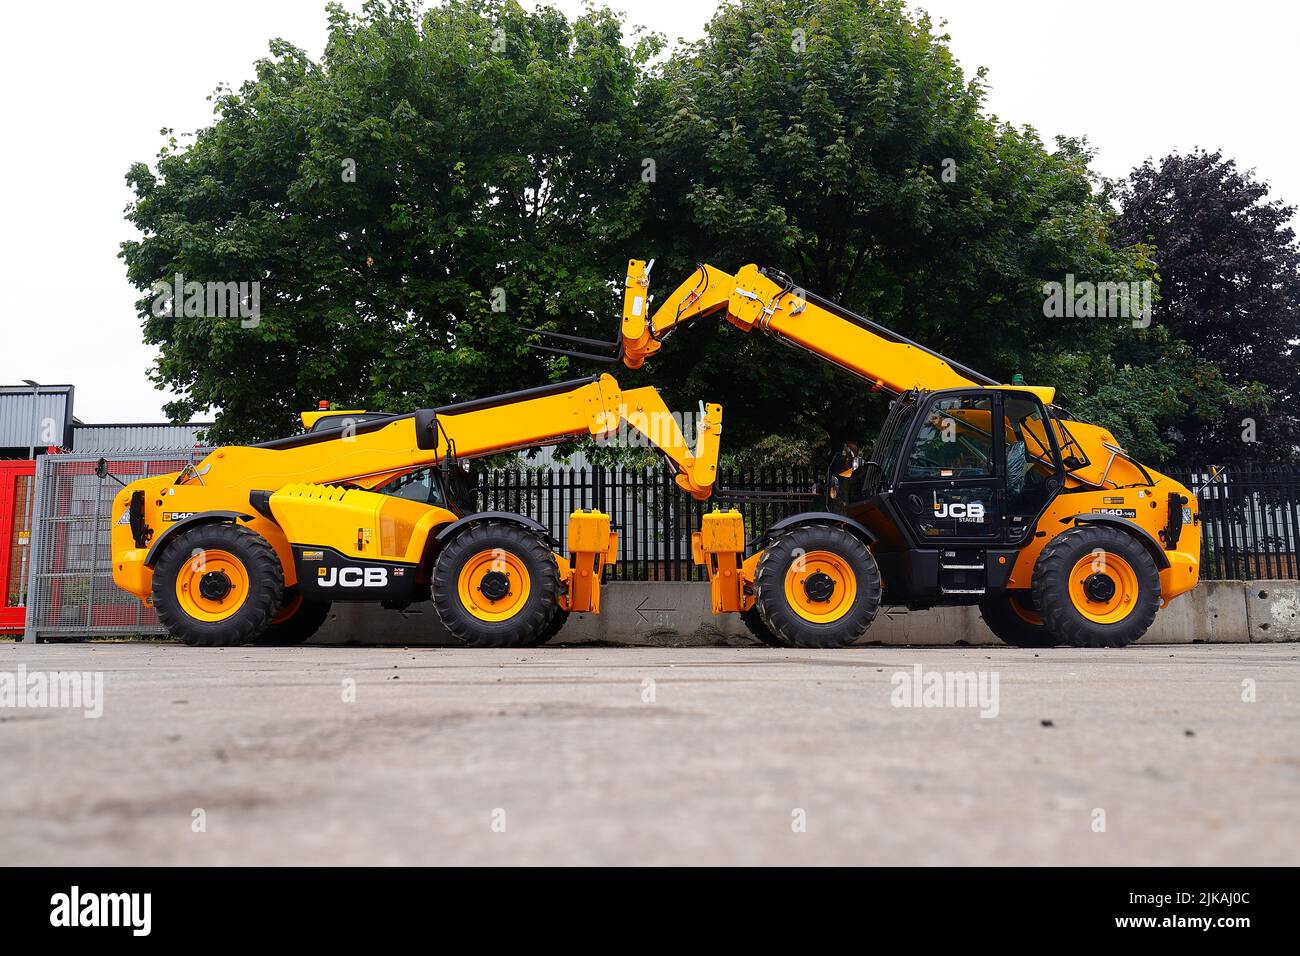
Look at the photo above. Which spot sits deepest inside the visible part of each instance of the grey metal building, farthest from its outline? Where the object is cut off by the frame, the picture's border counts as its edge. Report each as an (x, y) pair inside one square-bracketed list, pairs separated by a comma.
[(153, 436), (35, 417)]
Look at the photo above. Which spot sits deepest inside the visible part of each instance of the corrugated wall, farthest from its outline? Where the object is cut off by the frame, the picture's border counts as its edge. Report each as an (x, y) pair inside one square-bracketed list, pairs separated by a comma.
[(20, 425), (146, 437)]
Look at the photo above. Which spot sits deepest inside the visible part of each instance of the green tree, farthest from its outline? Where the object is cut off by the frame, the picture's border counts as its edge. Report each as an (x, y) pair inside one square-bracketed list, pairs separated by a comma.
[(838, 141), (440, 180), (1230, 289), (408, 203)]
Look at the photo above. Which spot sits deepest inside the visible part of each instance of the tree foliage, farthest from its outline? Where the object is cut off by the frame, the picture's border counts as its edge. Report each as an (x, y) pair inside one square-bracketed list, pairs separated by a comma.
[(841, 143), (1230, 290), (493, 167), (508, 163)]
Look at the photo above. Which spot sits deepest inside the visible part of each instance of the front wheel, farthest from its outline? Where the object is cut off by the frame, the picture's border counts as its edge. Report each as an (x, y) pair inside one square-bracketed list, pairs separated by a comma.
[(817, 586), (217, 585), (1096, 586), (558, 620), (496, 585)]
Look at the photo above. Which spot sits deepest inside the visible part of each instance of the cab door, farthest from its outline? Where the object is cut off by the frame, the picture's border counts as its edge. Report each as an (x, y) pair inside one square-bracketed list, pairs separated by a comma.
[(950, 483)]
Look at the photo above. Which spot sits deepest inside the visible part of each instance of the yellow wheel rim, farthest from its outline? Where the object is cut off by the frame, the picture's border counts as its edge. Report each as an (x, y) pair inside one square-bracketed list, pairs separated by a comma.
[(820, 587), (1103, 587), (1023, 612), (494, 585), (212, 585)]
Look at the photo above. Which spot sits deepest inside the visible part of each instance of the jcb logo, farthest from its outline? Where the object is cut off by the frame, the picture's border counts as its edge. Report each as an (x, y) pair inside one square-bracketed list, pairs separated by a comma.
[(352, 577), (962, 511)]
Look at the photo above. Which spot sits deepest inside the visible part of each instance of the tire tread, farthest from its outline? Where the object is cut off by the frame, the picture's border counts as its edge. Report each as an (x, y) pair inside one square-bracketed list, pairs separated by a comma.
[(1052, 591), (526, 627), (266, 586)]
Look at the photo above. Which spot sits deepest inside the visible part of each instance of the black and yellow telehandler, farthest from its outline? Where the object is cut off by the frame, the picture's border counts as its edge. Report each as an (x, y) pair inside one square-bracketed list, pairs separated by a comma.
[(254, 543), (977, 492)]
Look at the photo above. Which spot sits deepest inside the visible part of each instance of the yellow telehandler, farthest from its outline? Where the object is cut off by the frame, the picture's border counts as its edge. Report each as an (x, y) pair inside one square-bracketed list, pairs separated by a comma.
[(977, 492), (255, 543)]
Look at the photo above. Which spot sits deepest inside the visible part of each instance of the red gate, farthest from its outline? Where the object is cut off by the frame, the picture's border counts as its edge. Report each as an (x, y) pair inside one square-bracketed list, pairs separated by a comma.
[(17, 485)]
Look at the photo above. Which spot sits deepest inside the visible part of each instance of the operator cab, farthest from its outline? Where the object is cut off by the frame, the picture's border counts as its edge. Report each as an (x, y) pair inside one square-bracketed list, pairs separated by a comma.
[(326, 420), (452, 485), (956, 484), (449, 485)]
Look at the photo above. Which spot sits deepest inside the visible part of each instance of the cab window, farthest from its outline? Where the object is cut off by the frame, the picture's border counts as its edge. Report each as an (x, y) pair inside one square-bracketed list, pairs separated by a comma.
[(893, 443), (1031, 460), (955, 439), (422, 486)]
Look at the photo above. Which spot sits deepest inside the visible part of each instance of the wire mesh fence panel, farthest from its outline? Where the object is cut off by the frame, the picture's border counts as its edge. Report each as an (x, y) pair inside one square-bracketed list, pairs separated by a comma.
[(70, 585)]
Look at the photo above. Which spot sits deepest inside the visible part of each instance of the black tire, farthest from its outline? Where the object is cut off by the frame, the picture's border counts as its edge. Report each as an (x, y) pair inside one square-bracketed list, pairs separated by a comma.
[(1052, 580), (787, 624), (514, 543), (558, 620), (260, 565), (297, 628), (753, 621), (1009, 627)]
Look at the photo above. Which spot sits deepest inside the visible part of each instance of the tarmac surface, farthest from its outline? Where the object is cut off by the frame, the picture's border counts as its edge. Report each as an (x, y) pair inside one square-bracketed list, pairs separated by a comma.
[(592, 754)]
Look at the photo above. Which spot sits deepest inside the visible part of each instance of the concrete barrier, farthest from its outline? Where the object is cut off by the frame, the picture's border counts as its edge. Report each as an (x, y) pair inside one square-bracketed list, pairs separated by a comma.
[(1273, 610), (678, 613)]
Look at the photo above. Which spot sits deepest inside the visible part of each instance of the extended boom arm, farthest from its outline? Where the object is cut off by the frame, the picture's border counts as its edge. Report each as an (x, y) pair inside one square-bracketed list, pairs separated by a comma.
[(373, 453), (760, 299)]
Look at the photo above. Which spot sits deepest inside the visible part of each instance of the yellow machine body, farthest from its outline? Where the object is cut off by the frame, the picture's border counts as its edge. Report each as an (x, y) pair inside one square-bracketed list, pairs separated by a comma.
[(319, 490), (1102, 480)]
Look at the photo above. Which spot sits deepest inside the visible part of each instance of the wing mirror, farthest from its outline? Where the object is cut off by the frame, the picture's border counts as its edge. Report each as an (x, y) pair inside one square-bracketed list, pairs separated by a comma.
[(101, 472), (426, 429)]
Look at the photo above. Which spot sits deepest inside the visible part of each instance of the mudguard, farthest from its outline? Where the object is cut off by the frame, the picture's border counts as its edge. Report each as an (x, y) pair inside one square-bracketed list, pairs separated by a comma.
[(537, 527), (203, 517), (817, 517), (1142, 534)]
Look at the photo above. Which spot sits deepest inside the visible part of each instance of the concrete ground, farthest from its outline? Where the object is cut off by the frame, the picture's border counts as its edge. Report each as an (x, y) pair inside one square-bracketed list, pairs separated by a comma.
[(653, 755)]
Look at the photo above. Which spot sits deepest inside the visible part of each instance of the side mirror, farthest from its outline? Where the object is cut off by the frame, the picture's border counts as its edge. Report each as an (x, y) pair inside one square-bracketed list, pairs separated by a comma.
[(426, 429), (101, 472)]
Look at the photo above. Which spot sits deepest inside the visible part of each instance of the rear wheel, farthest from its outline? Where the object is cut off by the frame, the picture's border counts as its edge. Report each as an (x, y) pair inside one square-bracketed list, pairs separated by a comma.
[(1012, 618), (753, 622), (558, 620), (296, 622), (1097, 587), (817, 586), (496, 585), (217, 585)]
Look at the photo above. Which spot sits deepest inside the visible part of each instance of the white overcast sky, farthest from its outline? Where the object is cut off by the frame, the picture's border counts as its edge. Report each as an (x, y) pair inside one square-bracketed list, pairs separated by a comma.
[(87, 85)]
